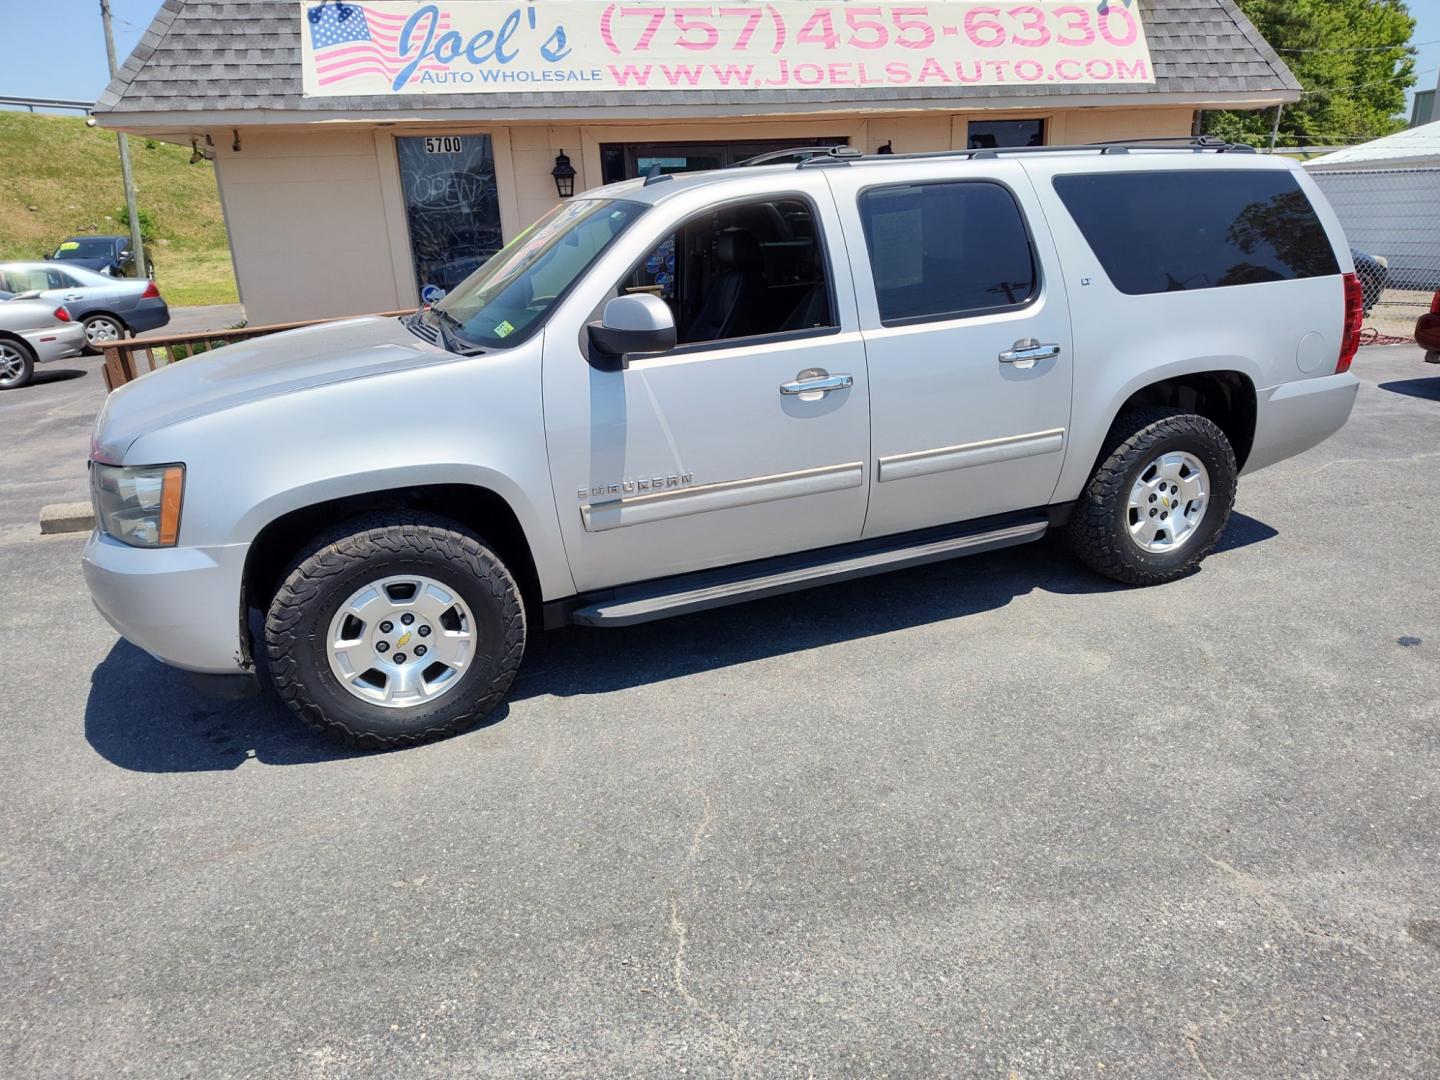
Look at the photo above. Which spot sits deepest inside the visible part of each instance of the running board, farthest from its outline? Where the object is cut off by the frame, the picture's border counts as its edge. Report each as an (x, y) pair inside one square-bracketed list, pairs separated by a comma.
[(628, 605)]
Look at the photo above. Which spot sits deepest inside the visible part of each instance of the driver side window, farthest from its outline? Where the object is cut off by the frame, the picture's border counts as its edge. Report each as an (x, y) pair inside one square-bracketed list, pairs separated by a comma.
[(741, 270)]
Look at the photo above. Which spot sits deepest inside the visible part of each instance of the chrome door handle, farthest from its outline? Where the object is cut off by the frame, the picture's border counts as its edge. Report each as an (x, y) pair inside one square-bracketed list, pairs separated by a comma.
[(73, 297), (806, 383), (1026, 352)]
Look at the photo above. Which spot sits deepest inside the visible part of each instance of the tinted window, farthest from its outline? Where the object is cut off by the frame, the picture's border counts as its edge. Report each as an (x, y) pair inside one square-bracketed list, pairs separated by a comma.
[(1171, 231), (946, 250)]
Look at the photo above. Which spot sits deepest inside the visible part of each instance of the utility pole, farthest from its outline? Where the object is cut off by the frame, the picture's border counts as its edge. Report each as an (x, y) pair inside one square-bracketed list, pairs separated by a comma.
[(1275, 130), (137, 244)]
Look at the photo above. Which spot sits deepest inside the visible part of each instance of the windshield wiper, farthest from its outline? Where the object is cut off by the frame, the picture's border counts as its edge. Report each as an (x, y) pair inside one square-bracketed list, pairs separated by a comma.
[(451, 340)]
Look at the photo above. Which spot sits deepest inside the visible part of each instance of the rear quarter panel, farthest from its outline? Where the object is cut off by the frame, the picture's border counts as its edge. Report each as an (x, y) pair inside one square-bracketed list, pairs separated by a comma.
[(1124, 342)]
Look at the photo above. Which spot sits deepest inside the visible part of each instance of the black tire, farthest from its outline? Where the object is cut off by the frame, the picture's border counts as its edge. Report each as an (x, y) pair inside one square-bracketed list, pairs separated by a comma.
[(15, 352), (1099, 529), (113, 320), (368, 549)]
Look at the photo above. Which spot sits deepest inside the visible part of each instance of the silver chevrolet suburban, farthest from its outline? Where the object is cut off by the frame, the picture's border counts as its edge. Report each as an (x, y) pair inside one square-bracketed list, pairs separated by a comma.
[(688, 391)]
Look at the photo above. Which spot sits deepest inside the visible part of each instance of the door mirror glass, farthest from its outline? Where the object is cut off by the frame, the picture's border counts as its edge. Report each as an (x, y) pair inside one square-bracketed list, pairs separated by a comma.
[(638, 323)]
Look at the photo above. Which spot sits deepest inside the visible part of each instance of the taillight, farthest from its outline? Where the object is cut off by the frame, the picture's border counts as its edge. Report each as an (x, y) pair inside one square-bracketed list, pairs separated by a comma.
[(62, 314), (152, 292), (1435, 303), (1354, 322)]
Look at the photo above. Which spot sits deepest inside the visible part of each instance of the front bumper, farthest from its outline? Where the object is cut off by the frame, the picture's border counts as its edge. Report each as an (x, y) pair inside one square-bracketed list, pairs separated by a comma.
[(57, 342), (149, 314), (1293, 417), (181, 605)]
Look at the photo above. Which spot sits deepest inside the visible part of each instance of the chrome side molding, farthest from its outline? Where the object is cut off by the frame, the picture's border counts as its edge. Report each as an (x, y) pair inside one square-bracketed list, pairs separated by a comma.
[(968, 455), (660, 505)]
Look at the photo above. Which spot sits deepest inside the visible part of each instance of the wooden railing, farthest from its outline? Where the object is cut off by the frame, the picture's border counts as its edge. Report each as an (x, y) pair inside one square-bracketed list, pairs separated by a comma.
[(129, 358)]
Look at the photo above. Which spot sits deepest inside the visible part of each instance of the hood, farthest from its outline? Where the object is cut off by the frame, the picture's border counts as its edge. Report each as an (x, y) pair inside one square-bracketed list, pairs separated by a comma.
[(285, 363), (96, 263)]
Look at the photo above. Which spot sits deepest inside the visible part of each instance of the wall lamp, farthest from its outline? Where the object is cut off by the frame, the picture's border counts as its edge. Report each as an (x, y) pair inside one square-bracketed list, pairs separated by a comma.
[(564, 174)]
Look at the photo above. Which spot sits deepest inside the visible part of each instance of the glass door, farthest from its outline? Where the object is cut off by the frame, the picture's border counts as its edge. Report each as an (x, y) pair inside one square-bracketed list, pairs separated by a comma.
[(451, 205)]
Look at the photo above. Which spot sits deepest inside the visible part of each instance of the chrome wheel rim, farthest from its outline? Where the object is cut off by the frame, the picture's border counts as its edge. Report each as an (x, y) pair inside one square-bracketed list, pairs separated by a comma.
[(101, 330), (401, 641), (12, 362), (1167, 502)]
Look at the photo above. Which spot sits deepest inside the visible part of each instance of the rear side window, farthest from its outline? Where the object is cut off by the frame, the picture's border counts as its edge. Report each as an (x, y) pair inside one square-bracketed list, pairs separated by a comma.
[(946, 250), (1172, 231)]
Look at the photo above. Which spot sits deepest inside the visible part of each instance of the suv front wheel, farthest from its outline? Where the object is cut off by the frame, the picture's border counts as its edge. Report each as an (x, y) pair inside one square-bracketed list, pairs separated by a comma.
[(394, 631), (1159, 499)]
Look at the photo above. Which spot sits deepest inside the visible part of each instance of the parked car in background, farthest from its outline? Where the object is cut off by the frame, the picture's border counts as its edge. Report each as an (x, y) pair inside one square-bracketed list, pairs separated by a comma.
[(34, 332), (1374, 276), (109, 308), (1427, 331), (109, 255)]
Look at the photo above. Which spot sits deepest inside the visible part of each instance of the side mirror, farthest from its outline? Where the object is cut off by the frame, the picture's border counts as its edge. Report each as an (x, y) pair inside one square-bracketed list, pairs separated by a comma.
[(638, 323)]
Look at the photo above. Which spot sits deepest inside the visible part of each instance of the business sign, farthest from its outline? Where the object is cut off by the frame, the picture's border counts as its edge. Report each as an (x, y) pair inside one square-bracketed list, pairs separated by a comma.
[(495, 46)]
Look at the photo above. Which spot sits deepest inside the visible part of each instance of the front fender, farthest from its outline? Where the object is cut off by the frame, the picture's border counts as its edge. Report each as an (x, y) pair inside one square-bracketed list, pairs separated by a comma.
[(476, 424)]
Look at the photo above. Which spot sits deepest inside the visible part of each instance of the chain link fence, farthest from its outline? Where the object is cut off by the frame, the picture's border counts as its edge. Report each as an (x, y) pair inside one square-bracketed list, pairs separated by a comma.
[(1392, 216)]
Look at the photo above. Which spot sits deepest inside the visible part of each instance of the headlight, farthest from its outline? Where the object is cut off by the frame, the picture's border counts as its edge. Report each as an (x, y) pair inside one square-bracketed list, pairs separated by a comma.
[(138, 506)]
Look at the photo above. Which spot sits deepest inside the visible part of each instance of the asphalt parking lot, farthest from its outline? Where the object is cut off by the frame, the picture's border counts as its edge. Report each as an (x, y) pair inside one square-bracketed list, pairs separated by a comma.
[(994, 818)]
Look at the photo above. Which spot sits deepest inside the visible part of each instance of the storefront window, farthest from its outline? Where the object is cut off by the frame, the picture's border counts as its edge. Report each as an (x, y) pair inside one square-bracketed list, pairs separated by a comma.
[(993, 134), (451, 205)]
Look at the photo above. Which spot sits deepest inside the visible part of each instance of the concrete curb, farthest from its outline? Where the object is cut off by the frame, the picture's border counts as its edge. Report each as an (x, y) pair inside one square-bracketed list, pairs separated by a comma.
[(66, 518)]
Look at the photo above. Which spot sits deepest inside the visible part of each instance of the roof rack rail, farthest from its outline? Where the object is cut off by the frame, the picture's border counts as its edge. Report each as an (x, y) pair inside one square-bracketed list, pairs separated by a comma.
[(805, 153), (819, 156)]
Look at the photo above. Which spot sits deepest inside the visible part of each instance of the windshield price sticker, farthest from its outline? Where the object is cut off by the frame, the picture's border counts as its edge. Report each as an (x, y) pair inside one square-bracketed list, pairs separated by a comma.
[(488, 46)]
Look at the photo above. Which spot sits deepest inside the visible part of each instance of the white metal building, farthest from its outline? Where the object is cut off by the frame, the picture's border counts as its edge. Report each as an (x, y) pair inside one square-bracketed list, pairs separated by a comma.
[(1387, 194)]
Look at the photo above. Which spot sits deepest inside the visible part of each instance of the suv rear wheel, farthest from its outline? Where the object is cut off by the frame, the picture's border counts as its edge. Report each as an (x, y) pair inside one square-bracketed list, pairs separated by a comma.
[(1159, 499), (394, 631)]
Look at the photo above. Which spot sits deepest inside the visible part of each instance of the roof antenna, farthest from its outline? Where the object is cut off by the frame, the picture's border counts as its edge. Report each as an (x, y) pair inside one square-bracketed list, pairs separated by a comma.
[(888, 148), (653, 172)]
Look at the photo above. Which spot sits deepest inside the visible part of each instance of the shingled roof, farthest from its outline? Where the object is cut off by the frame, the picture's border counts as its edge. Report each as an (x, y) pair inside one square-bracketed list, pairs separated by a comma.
[(210, 56)]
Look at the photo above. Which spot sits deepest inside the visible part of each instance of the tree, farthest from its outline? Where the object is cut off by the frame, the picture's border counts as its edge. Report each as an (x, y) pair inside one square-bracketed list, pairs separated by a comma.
[(1351, 56)]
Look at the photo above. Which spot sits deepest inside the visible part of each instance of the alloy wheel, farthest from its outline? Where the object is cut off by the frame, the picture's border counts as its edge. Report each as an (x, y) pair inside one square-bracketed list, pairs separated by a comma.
[(12, 362), (401, 641), (1167, 502)]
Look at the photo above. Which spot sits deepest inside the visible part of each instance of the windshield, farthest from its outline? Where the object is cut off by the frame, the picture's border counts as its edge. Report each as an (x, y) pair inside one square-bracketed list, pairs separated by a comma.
[(507, 299), (86, 248)]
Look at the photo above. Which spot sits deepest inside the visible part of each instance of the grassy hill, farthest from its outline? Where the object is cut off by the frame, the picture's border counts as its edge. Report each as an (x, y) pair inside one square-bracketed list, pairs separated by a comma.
[(59, 178)]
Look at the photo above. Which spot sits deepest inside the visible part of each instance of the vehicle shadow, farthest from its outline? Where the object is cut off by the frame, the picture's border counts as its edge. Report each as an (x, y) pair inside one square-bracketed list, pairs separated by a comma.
[(145, 717), (42, 376), (1428, 388)]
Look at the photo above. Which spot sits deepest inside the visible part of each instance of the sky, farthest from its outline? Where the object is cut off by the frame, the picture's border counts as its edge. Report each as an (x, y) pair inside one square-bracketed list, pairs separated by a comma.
[(55, 48)]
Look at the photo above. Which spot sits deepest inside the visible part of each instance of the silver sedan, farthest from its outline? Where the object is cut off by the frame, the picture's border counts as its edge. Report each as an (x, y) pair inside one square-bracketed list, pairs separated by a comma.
[(109, 308), (33, 332)]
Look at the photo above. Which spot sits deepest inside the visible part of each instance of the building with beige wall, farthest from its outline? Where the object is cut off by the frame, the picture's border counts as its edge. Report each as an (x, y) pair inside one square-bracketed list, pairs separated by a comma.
[(337, 205)]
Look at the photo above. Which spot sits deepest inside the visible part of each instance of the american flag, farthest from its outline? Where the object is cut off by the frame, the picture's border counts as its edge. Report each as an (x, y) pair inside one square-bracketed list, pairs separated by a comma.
[(350, 40)]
